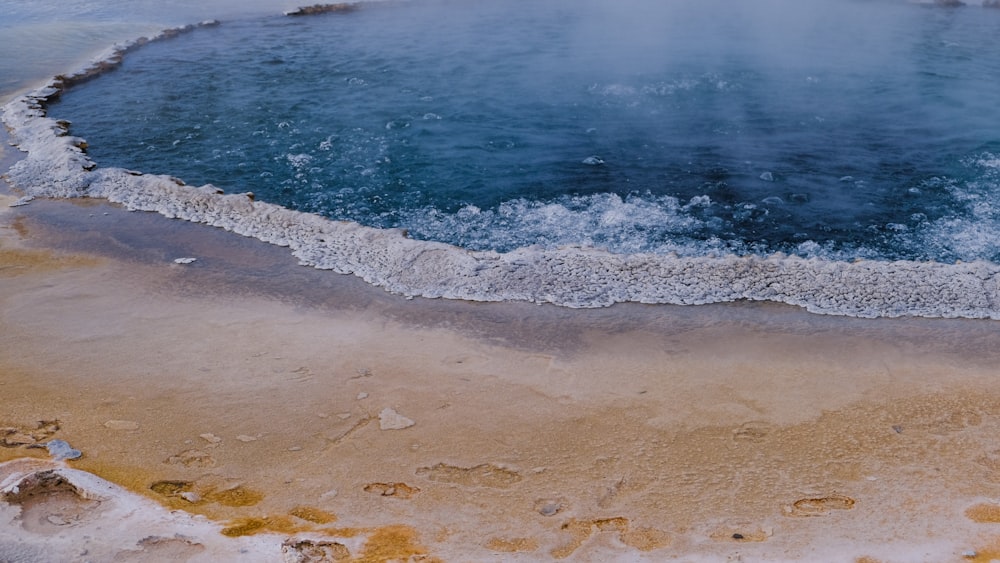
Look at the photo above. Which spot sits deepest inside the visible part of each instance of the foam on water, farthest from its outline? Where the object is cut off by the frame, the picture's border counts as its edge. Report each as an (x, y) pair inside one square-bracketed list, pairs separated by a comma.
[(626, 225), (526, 249)]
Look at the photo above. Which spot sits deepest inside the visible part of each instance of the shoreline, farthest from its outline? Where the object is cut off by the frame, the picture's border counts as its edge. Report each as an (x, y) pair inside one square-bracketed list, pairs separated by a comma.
[(633, 432)]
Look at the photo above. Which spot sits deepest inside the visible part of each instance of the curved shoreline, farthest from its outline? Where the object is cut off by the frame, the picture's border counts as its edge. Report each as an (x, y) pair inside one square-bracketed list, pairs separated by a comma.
[(57, 166)]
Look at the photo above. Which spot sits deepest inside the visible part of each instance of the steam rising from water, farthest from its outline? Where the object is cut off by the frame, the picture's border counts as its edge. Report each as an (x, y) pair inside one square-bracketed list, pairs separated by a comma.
[(700, 129), (41, 38)]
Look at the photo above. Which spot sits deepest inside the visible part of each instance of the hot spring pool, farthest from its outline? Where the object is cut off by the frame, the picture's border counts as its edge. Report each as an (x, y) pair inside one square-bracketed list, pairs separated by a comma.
[(828, 130), (837, 129)]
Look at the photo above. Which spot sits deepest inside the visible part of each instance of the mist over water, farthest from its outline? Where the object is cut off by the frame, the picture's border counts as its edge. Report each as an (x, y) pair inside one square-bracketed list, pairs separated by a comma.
[(838, 129), (41, 38)]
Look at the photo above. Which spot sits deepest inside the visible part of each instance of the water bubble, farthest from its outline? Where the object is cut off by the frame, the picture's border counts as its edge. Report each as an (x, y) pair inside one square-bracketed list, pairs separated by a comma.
[(299, 160), (700, 201), (989, 161)]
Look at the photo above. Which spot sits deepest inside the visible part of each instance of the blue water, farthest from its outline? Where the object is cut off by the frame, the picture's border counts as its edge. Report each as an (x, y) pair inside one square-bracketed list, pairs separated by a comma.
[(839, 129)]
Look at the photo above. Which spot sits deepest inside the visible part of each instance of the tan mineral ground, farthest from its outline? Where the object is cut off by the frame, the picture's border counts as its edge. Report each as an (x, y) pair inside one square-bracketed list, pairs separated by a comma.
[(240, 407)]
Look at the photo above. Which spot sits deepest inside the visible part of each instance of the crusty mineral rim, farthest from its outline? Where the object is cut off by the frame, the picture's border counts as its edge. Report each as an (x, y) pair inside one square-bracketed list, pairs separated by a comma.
[(57, 166)]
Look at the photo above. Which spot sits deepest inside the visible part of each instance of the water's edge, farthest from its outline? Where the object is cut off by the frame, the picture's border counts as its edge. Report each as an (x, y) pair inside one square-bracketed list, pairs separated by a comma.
[(56, 165)]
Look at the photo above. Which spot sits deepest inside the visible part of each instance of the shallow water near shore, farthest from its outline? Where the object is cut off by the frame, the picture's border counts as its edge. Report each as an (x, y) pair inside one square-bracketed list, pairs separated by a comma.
[(231, 266)]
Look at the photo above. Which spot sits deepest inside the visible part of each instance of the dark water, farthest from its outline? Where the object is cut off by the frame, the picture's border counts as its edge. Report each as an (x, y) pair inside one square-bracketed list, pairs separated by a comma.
[(837, 129)]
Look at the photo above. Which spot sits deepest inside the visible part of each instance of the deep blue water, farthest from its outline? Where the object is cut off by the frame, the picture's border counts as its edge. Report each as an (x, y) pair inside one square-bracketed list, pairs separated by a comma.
[(830, 128)]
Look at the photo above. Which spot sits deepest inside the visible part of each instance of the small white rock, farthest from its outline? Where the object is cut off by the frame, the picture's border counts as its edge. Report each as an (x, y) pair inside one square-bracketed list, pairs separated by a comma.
[(245, 438), (184, 260), (211, 438), (190, 496), (362, 395), (389, 419)]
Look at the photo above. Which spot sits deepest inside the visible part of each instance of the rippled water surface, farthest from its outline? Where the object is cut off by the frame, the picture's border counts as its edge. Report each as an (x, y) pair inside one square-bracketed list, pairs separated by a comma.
[(829, 128)]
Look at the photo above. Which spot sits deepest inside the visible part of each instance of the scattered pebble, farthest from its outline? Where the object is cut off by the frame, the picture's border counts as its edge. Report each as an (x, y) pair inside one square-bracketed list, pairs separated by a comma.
[(389, 419), (897, 428), (22, 201), (60, 450), (122, 425), (548, 507), (184, 260), (295, 449), (245, 438), (767, 177), (970, 554), (190, 496), (211, 438), (55, 520), (362, 395), (344, 415), (593, 160)]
